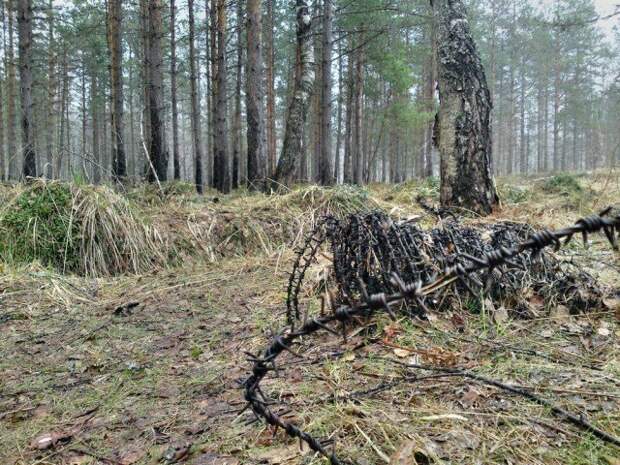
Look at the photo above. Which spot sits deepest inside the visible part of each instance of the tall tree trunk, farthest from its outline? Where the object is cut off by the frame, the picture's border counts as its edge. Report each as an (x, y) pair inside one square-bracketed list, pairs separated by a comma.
[(3, 163), (326, 175), (271, 92), (348, 144), (210, 23), (221, 170), (157, 152), (94, 109), (24, 20), (11, 132), (146, 88), (464, 123), (50, 132), (337, 158), (236, 171), (193, 78), (173, 93), (523, 161), (64, 120), (257, 142), (293, 146), (83, 106), (119, 161), (358, 104)]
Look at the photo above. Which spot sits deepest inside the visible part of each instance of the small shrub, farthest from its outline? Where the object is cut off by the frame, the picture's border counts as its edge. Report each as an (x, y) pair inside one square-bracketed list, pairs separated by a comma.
[(564, 183), (80, 229), (515, 194)]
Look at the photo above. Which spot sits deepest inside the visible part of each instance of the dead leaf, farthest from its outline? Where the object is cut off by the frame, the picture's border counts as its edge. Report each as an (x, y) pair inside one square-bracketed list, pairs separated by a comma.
[(176, 453), (469, 398), (500, 315), (348, 357), (411, 453), (51, 440), (402, 353)]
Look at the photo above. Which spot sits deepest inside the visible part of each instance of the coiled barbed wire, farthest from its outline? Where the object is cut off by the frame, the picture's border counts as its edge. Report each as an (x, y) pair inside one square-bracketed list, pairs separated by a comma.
[(371, 304)]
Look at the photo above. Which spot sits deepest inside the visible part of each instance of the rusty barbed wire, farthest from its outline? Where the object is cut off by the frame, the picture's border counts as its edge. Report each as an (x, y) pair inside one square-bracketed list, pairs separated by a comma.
[(415, 292)]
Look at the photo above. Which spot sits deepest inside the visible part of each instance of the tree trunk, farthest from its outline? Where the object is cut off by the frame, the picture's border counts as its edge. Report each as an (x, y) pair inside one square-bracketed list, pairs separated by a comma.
[(326, 175), (293, 146), (64, 121), (337, 158), (94, 109), (358, 103), (257, 150), (221, 170), (271, 93), (11, 132), (3, 164), (237, 146), (157, 152), (24, 20), (195, 99), (119, 161), (173, 94), (464, 123), (50, 130)]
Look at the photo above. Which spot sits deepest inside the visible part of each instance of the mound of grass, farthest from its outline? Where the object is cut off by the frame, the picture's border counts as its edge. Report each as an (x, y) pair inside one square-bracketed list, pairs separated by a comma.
[(338, 201), (564, 183), (90, 231)]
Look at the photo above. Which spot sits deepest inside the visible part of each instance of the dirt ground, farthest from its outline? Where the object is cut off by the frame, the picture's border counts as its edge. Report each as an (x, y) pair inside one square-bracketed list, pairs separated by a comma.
[(148, 369)]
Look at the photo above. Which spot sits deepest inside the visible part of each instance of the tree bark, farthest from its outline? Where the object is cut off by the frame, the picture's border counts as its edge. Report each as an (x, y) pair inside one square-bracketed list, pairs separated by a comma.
[(24, 20), (157, 152), (464, 118), (271, 93), (255, 95), (11, 132), (326, 174), (195, 99), (119, 160), (236, 171), (173, 93), (221, 170), (50, 130), (293, 146)]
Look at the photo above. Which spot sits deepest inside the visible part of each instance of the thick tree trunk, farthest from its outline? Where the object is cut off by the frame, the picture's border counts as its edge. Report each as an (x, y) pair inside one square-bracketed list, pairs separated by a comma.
[(292, 148), (173, 93), (358, 104), (157, 152), (326, 174), (221, 170), (119, 161), (257, 141), (24, 20), (464, 118), (195, 99)]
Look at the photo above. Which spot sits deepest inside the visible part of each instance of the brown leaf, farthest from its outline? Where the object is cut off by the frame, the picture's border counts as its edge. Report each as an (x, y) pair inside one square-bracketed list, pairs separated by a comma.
[(176, 453), (410, 453), (469, 398), (212, 458)]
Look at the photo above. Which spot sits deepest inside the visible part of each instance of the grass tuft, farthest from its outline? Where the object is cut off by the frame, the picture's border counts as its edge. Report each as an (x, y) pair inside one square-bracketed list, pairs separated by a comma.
[(86, 230)]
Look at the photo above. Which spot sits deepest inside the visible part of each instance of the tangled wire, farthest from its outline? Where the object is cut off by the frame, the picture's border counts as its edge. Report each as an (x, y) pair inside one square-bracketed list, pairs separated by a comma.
[(382, 267), (367, 249)]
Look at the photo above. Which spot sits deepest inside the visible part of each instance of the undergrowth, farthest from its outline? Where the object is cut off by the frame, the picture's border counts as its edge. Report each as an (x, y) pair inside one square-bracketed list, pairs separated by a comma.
[(77, 229)]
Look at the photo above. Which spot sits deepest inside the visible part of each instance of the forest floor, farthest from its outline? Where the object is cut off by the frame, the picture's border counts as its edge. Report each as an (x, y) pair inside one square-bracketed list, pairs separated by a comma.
[(147, 369)]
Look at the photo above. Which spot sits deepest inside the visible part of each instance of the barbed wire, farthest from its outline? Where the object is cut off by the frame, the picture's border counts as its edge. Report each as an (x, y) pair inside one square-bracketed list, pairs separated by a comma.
[(414, 292)]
